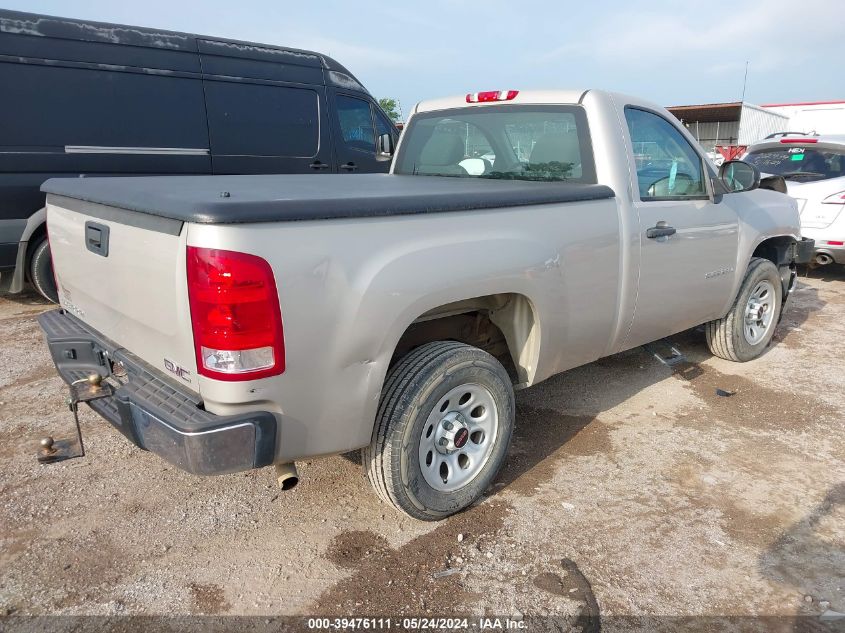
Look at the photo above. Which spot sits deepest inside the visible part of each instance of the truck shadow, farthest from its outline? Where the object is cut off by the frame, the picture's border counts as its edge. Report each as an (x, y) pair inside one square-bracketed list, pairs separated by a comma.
[(829, 273), (803, 304), (810, 556), (558, 417), (28, 297)]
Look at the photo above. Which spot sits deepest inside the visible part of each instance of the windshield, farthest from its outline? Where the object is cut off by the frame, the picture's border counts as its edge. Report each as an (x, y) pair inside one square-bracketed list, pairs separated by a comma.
[(799, 162), (506, 142)]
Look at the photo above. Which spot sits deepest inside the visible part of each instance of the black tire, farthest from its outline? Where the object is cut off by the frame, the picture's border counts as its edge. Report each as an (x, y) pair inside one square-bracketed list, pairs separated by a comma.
[(413, 387), (725, 336), (41, 271)]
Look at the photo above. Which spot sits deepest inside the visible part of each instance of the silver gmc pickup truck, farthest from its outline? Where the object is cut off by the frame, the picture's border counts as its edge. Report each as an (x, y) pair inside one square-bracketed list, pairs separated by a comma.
[(235, 322)]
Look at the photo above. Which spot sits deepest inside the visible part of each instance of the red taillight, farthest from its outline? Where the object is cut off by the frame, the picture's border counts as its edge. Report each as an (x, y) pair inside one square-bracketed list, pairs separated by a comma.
[(235, 315), (799, 140), (491, 95), (833, 242)]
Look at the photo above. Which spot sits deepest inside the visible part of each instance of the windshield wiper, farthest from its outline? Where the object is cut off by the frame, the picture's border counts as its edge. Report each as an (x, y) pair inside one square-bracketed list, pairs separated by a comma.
[(528, 176), (799, 174)]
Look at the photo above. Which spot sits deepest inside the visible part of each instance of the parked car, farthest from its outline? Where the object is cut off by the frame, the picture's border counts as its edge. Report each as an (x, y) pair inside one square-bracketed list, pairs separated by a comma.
[(243, 321), (87, 98), (814, 170)]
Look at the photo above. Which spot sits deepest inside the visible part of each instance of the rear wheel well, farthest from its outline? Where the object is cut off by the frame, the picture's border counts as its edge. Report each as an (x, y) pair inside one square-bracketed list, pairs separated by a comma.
[(504, 325)]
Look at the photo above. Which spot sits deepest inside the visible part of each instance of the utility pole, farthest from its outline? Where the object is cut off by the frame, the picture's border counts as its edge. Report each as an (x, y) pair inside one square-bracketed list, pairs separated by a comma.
[(744, 82)]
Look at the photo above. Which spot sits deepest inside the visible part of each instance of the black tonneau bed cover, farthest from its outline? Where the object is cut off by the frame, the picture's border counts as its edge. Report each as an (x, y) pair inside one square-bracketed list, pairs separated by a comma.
[(282, 198)]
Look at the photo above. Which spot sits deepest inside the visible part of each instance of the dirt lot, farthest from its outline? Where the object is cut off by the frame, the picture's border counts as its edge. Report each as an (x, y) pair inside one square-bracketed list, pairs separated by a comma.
[(631, 489)]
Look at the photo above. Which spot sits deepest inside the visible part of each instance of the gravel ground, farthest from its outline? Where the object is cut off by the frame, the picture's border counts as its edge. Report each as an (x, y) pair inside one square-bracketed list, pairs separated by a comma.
[(631, 489)]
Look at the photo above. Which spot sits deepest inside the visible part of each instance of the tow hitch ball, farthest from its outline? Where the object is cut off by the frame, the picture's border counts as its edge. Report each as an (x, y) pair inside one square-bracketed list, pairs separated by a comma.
[(85, 389)]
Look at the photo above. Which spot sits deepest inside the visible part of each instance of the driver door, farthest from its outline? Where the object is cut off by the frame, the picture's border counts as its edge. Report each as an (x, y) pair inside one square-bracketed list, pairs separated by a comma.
[(688, 244), (356, 125)]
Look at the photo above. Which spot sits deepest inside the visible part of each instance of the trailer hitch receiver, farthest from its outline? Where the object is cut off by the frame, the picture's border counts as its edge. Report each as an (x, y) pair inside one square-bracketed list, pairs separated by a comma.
[(85, 389)]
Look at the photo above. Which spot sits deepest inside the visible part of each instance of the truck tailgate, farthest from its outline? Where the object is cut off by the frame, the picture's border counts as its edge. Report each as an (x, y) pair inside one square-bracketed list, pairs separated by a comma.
[(123, 274)]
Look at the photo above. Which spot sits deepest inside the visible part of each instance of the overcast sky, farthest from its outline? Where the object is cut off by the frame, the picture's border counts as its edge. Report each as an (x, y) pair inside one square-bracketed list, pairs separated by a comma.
[(670, 52)]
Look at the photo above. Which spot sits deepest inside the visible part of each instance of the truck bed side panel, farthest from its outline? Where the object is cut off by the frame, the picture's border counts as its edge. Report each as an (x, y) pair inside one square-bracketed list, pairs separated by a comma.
[(349, 289)]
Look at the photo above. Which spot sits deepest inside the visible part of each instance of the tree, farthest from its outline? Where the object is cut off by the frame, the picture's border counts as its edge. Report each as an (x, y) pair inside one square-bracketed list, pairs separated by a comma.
[(390, 107)]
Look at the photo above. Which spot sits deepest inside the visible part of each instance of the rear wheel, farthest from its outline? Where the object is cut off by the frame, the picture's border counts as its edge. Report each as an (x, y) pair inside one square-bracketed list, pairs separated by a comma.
[(41, 271), (443, 429), (745, 332)]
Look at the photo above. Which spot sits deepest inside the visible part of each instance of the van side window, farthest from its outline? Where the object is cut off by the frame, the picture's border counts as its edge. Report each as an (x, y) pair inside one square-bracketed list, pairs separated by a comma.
[(111, 109), (261, 120), (667, 165), (356, 123)]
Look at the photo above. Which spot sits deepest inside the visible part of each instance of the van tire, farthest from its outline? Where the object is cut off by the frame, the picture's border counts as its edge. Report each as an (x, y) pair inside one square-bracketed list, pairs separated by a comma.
[(411, 402), (725, 337), (41, 271)]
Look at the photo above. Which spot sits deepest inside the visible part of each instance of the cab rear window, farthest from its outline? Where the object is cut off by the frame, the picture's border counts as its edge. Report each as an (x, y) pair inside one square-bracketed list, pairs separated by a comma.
[(799, 162), (505, 142)]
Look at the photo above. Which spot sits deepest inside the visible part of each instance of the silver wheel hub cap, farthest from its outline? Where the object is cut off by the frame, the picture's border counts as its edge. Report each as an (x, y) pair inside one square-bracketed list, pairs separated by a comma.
[(458, 437), (452, 433), (759, 312)]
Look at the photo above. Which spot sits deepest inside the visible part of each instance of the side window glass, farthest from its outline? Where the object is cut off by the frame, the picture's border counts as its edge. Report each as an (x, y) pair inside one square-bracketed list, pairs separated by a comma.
[(356, 123), (383, 127), (667, 165)]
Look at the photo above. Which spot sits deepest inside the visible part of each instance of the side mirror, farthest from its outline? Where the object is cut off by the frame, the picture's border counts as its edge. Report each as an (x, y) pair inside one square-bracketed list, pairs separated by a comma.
[(737, 175), (384, 145)]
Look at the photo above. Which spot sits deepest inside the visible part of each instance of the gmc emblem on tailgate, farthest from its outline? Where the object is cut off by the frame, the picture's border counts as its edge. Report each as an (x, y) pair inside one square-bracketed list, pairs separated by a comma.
[(175, 369)]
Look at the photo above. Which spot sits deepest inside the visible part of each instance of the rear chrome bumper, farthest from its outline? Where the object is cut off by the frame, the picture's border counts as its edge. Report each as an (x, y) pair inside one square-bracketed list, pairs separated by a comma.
[(155, 413)]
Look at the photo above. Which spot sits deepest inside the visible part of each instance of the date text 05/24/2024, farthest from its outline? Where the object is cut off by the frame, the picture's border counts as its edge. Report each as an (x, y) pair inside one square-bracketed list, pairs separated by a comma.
[(417, 624)]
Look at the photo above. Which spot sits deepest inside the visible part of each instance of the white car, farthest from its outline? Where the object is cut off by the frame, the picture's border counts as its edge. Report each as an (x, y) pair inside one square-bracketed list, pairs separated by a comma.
[(814, 170)]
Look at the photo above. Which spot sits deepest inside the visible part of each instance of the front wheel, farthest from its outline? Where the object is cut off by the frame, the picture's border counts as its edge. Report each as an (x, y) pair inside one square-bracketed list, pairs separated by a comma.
[(746, 330), (443, 430)]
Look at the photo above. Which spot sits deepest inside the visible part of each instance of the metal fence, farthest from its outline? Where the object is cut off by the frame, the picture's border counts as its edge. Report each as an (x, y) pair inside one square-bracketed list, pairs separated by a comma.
[(714, 133)]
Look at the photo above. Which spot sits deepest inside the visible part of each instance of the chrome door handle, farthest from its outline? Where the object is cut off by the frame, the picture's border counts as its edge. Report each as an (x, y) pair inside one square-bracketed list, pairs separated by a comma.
[(661, 230)]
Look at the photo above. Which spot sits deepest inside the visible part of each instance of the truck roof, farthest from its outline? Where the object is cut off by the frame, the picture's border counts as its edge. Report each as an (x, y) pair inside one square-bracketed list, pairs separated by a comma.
[(522, 96)]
